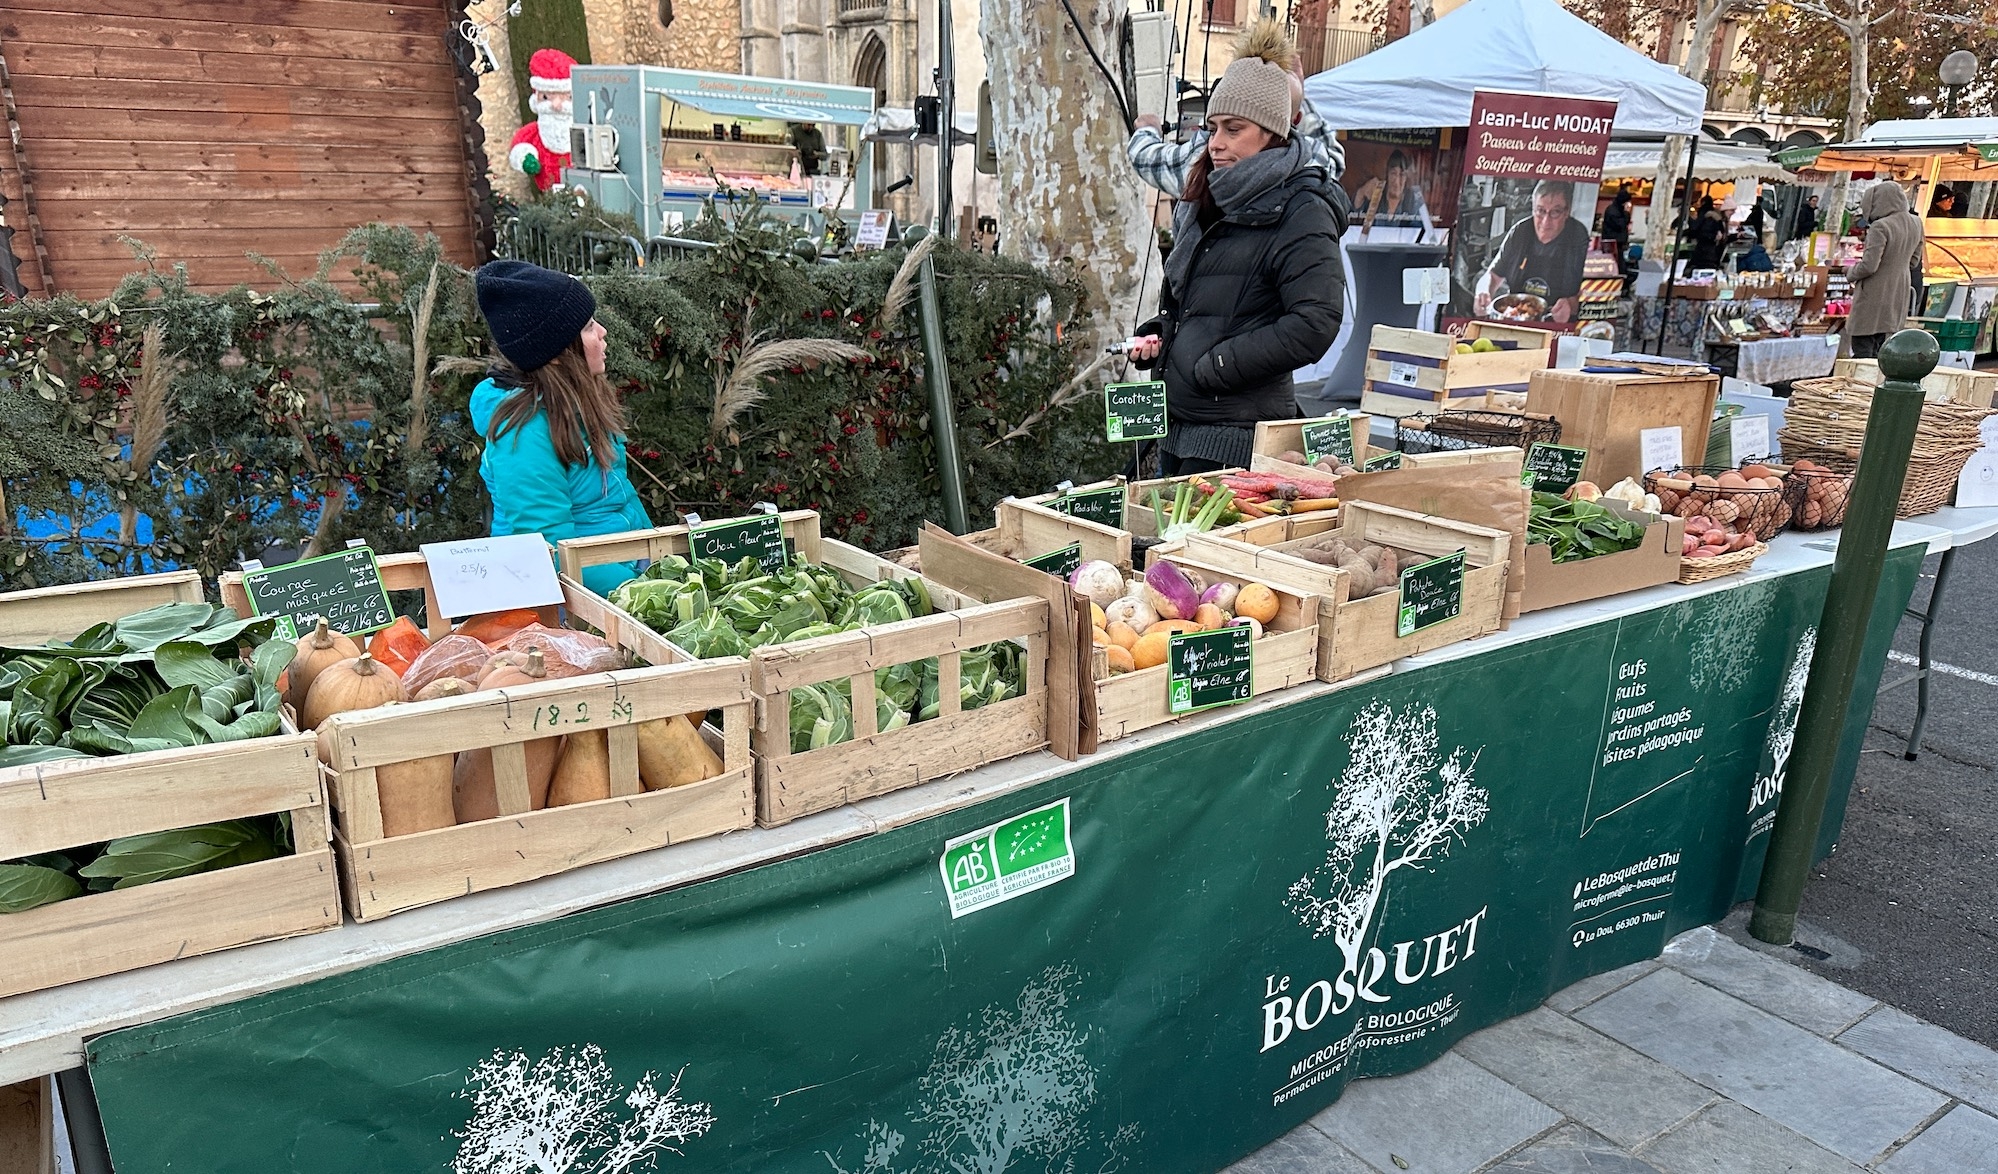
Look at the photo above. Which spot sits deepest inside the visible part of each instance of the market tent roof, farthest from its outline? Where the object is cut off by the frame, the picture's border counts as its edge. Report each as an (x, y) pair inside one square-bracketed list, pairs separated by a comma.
[(1719, 161), (1967, 149), (1535, 46)]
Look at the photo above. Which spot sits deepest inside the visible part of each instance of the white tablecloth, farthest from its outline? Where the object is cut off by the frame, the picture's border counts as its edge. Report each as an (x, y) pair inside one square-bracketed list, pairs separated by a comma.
[(1772, 360)]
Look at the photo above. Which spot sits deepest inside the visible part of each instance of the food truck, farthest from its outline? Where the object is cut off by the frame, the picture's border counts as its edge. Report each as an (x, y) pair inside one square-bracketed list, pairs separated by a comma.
[(1926, 155), (657, 143)]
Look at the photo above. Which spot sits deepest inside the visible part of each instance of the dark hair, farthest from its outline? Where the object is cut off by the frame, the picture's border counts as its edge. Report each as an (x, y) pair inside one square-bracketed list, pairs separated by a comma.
[(1396, 158), (1196, 177), (1555, 187), (1706, 203), (567, 390)]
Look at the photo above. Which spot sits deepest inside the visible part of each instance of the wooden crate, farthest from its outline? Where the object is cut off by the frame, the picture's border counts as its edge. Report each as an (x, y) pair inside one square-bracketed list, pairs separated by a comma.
[(58, 613), (1359, 634), (1276, 437), (1115, 706), (381, 875), (1975, 388), (60, 805), (27, 1127), (1028, 529), (1419, 371), (790, 785), (1605, 413)]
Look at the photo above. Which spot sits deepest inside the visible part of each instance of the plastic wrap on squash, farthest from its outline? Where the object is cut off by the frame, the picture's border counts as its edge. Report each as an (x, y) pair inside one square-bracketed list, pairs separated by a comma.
[(452, 656), (493, 628), (566, 653)]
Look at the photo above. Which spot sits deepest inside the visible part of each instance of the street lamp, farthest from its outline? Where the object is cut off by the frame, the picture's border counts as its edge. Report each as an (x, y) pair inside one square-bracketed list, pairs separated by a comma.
[(1958, 70)]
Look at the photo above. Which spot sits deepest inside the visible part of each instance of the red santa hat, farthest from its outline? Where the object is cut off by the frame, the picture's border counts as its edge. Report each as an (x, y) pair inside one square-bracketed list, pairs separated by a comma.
[(548, 71)]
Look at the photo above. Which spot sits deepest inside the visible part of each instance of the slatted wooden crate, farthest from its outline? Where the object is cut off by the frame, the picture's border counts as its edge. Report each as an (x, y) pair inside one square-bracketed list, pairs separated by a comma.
[(1113, 707), (791, 785), (382, 874), (61, 805), (1276, 437), (1358, 634), (1419, 371)]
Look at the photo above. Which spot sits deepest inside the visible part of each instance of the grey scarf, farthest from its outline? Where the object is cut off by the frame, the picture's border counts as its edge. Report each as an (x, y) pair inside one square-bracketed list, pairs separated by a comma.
[(1232, 188)]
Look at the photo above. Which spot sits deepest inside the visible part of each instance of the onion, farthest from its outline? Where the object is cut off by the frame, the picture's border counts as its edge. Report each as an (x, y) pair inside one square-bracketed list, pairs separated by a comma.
[(1102, 582)]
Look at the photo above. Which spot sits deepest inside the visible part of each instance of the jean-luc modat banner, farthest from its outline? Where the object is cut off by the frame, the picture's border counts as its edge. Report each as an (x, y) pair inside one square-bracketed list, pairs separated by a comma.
[(1153, 963), (1532, 166)]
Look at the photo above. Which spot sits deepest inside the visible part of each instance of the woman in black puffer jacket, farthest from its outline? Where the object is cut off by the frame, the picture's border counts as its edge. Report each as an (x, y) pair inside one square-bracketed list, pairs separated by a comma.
[(1254, 286)]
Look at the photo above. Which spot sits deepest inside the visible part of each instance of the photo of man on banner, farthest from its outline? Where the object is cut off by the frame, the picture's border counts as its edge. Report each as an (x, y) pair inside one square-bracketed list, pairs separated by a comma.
[(1531, 161)]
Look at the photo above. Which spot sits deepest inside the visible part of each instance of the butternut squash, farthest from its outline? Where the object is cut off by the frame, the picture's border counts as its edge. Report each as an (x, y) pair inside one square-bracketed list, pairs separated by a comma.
[(672, 753), (583, 772), (415, 796), (474, 795), (318, 650), (356, 683)]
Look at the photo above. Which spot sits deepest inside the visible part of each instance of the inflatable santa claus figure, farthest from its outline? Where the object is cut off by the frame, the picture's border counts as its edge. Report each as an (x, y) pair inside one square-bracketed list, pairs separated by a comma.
[(541, 148)]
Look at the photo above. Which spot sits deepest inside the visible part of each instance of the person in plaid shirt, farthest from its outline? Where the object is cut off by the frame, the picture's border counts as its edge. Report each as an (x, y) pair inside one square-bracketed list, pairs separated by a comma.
[(1164, 165)]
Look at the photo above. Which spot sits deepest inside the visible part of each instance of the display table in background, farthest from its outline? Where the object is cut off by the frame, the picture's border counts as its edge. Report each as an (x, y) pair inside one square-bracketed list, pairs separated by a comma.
[(1570, 793), (1770, 361)]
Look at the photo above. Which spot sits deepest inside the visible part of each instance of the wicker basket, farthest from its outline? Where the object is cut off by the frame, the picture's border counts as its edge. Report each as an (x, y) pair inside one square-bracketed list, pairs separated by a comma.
[(1761, 512), (1832, 487), (1826, 423), (1454, 431), (1699, 570)]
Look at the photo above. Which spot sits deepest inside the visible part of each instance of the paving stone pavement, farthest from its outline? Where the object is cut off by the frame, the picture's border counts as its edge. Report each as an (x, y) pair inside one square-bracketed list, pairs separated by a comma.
[(1716, 1058)]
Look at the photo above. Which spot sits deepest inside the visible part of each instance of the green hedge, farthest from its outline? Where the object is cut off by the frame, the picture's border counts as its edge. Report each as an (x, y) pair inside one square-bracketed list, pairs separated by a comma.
[(281, 402)]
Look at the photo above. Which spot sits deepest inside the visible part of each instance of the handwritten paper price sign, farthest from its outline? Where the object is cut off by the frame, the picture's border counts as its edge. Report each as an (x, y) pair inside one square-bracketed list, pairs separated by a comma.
[(758, 536), (1135, 411), (1552, 468), (1661, 448), (1748, 438), (345, 588), (1206, 669), (1431, 592), (1103, 506), (1329, 438), (478, 575), (1059, 562)]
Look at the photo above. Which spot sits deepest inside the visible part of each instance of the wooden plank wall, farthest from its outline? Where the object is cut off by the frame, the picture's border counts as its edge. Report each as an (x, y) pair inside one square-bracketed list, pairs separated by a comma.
[(208, 128)]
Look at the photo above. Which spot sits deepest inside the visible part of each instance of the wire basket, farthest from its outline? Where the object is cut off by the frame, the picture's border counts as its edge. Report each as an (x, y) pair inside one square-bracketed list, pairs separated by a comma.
[(1455, 431), (1819, 504), (1757, 511)]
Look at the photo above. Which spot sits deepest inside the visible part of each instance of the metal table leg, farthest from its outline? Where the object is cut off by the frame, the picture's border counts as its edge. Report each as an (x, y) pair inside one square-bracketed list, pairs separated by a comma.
[(1923, 672)]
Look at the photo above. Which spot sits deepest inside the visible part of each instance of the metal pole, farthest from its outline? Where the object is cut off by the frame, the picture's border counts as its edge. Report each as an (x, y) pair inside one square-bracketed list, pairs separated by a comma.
[(943, 414), (946, 120), (1678, 238), (1862, 548)]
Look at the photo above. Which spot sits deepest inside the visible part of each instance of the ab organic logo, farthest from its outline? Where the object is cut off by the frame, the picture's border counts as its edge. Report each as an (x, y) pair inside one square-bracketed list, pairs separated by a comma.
[(1398, 805)]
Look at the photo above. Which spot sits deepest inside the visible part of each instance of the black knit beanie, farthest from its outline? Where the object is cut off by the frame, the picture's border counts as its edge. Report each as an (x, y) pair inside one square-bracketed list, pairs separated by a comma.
[(533, 313)]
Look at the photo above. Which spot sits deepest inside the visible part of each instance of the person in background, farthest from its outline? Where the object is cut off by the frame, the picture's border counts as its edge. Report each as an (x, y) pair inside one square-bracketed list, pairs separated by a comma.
[(1616, 223), (1254, 286), (1756, 221), (1543, 255), (1944, 203), (1708, 232), (553, 428), (810, 143), (1393, 200), (1755, 259), (1884, 281), (1165, 165), (1806, 221)]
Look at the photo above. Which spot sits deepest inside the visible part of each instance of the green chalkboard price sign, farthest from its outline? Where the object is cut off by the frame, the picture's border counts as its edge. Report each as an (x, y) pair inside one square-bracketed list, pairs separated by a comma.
[(1206, 669), (1431, 592), (1059, 562), (345, 588), (1329, 438), (758, 536), (1552, 468), (1135, 411), (1103, 506), (1383, 463)]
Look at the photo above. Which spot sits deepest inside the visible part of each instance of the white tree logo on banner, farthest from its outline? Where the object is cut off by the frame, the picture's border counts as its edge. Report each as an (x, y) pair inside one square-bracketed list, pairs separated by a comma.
[(567, 1113), (1389, 813), (1783, 724), (1016, 1087)]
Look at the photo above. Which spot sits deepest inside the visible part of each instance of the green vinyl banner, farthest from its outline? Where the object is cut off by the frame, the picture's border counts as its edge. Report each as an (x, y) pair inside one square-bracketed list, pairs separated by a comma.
[(1155, 962)]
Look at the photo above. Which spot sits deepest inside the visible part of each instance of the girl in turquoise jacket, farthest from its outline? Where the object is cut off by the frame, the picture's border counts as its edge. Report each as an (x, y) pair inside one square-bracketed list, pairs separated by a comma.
[(565, 481)]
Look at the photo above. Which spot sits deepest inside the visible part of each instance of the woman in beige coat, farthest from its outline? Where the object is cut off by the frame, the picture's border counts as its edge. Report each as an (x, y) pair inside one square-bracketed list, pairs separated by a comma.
[(1883, 283)]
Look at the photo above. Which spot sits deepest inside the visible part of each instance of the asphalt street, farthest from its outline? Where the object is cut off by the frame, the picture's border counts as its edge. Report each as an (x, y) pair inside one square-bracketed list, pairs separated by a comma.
[(1907, 907)]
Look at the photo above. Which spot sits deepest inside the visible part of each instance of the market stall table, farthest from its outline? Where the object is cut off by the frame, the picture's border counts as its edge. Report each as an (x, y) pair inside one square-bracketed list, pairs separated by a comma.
[(1770, 361), (818, 990), (1961, 528)]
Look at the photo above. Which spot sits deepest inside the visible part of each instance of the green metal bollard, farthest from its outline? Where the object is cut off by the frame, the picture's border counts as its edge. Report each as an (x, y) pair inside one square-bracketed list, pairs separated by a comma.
[(943, 415), (1862, 549)]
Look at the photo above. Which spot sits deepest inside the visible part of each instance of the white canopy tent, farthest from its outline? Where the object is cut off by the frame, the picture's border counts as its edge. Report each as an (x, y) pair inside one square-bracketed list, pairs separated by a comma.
[(1721, 161), (1535, 46)]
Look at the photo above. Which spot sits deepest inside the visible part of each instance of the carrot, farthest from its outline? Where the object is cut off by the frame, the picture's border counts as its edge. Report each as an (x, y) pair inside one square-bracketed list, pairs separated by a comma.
[(1305, 505), (1250, 509)]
